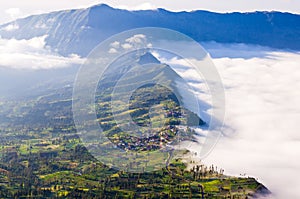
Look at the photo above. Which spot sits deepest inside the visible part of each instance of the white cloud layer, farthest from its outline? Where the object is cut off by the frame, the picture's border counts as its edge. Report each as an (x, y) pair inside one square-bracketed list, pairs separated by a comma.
[(262, 114), (11, 27), (262, 107), (246, 51), (134, 42), (32, 54)]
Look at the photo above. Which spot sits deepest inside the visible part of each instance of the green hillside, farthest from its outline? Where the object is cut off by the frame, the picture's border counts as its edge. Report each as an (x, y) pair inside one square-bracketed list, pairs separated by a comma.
[(42, 155)]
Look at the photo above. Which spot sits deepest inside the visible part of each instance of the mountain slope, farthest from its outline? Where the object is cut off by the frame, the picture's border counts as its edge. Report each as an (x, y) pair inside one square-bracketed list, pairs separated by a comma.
[(78, 31), (42, 138)]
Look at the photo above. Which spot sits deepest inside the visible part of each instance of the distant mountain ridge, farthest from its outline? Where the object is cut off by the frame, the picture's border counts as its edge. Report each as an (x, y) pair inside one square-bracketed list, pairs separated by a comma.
[(79, 31)]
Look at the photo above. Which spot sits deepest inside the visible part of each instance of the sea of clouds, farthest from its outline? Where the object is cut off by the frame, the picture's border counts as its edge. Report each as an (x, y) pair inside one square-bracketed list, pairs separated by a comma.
[(262, 114), (262, 107), (33, 54)]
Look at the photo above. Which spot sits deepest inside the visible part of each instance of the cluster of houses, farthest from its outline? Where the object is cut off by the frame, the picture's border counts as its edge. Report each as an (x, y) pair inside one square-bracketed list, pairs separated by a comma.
[(155, 142), (159, 139)]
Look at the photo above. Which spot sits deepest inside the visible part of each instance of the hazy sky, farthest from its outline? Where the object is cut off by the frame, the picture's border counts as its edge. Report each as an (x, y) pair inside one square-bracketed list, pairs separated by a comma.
[(16, 8)]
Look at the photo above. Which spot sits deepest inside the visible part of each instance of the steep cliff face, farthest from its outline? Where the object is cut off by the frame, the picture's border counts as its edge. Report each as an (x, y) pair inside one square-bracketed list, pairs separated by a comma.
[(78, 31)]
